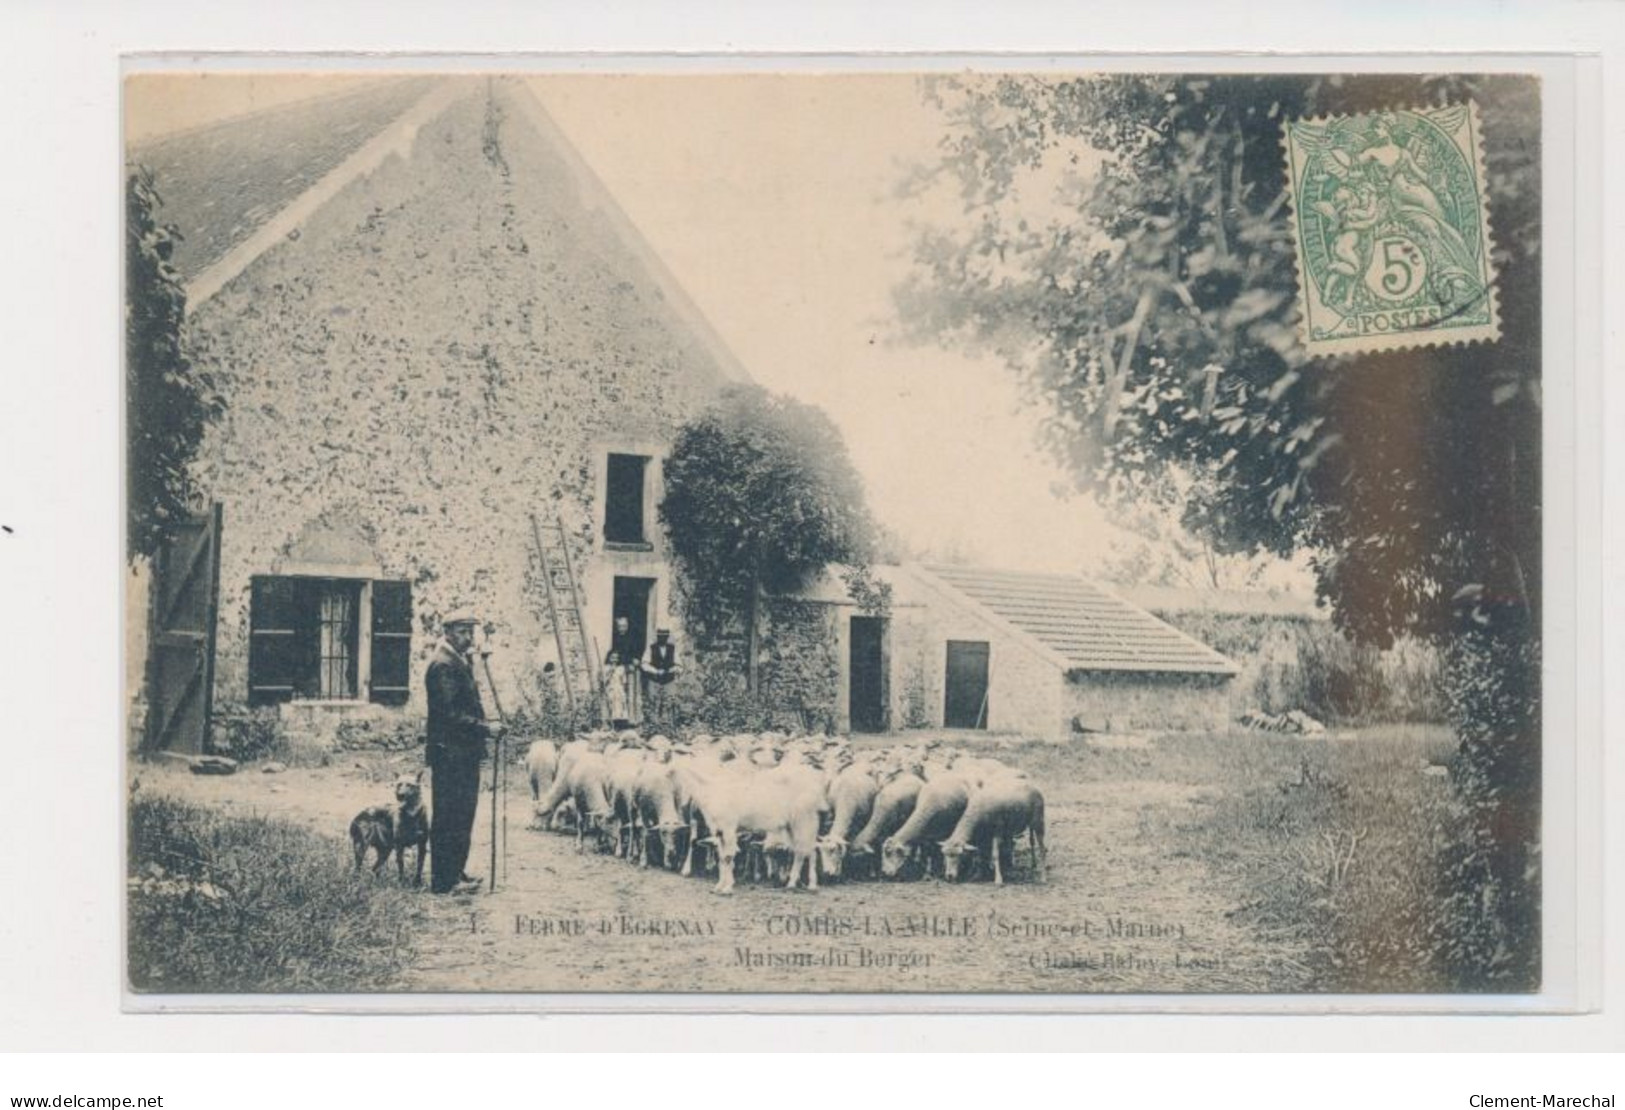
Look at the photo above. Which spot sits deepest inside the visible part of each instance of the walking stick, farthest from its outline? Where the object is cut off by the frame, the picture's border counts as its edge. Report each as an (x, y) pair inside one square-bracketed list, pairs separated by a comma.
[(499, 797), (595, 680)]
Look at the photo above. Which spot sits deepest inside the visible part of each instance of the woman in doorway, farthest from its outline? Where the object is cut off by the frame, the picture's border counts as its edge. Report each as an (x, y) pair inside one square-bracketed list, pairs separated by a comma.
[(618, 693)]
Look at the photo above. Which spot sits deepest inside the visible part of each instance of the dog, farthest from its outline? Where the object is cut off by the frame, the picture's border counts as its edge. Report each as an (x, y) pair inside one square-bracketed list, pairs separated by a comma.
[(394, 828)]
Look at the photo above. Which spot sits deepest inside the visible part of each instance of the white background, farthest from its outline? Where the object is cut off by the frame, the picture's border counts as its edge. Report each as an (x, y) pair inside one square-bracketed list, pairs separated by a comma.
[(60, 566)]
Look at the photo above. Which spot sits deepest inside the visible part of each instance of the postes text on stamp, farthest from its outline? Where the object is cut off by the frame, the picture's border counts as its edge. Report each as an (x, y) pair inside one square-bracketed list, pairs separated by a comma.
[(1391, 225)]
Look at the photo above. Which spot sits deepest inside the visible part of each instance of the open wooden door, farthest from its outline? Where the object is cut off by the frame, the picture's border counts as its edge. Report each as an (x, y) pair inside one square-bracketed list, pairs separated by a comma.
[(966, 684), (184, 608)]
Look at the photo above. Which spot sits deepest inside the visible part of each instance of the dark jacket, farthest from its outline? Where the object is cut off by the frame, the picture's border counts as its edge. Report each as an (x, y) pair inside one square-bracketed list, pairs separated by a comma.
[(456, 715), (661, 662), (625, 644)]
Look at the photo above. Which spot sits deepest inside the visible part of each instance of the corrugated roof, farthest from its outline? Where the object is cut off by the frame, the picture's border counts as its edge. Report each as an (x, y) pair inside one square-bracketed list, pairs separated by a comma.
[(1089, 627), (222, 181)]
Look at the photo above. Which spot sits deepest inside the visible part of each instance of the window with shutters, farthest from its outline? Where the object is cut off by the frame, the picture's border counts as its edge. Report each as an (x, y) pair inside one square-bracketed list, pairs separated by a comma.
[(329, 639)]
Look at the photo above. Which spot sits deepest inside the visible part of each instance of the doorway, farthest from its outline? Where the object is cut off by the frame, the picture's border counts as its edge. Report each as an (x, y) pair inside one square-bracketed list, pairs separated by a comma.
[(866, 666), (633, 597), (965, 701)]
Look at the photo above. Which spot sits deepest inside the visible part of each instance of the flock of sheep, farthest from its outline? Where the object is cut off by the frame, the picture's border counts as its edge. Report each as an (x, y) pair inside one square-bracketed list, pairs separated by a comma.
[(774, 806)]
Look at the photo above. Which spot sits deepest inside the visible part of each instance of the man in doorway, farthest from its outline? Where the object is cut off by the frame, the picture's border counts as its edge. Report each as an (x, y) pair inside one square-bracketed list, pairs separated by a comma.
[(624, 650), (660, 669), (622, 643), (457, 731)]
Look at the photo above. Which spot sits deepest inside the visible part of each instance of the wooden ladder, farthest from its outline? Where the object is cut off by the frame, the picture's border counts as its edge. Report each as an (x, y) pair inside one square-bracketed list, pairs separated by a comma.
[(578, 672)]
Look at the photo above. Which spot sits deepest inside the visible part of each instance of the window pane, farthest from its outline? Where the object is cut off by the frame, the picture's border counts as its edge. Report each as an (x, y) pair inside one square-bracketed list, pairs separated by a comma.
[(337, 639), (623, 499)]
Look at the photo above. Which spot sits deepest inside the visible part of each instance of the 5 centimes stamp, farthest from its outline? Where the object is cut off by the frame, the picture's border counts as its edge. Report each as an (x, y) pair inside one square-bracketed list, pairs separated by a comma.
[(1391, 226)]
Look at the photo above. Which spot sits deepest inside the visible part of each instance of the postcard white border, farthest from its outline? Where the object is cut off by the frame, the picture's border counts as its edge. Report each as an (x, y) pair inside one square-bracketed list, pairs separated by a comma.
[(1561, 969), (64, 953)]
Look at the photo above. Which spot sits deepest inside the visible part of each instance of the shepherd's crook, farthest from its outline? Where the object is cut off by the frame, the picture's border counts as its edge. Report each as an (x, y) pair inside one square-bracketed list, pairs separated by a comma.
[(498, 796)]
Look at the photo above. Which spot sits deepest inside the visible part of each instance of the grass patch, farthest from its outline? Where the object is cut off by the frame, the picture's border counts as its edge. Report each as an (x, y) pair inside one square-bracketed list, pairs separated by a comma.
[(1332, 851), (1336, 848), (254, 904)]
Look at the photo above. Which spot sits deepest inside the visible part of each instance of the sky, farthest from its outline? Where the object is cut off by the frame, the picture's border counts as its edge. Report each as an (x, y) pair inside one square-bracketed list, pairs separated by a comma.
[(772, 199)]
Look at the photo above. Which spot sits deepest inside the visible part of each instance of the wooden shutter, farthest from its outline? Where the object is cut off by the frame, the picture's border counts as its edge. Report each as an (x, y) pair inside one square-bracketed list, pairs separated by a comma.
[(307, 653), (391, 642), (276, 634), (181, 629)]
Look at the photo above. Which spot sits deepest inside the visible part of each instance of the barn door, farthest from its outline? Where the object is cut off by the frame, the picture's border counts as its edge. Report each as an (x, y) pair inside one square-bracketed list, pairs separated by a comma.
[(184, 605), (966, 685)]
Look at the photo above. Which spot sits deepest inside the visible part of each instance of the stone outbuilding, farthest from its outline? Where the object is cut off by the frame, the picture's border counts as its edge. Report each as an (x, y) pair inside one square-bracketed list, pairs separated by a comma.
[(1044, 655), (1051, 655)]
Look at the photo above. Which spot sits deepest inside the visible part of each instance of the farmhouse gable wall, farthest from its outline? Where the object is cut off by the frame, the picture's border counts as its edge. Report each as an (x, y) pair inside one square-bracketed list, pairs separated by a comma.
[(441, 348)]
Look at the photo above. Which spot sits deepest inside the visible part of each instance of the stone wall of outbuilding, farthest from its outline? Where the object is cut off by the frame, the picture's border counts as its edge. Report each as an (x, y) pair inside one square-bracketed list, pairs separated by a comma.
[(1024, 694), (1126, 701)]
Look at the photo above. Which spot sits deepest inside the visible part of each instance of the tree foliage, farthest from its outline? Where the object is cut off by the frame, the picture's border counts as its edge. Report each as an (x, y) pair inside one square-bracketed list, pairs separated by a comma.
[(1156, 547), (1151, 310), (169, 400), (760, 496), (1409, 473)]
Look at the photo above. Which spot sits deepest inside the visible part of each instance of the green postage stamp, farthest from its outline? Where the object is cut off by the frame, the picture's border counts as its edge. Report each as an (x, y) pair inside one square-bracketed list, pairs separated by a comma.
[(1391, 224)]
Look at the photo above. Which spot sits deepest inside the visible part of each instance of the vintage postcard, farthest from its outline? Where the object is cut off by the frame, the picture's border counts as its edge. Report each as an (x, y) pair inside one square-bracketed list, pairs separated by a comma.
[(980, 533)]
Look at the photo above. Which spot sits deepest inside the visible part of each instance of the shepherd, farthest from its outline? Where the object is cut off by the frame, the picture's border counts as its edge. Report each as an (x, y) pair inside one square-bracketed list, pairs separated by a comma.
[(457, 732)]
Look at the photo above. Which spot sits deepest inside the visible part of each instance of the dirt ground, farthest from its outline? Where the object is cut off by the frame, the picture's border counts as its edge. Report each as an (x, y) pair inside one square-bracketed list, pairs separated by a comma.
[(1124, 908)]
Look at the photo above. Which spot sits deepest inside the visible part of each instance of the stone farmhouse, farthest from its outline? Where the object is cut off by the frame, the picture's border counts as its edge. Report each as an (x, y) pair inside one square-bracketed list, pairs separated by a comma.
[(432, 323)]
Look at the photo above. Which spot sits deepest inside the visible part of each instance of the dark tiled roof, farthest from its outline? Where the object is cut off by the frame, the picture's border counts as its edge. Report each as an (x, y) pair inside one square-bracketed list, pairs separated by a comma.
[(222, 181), (1091, 629)]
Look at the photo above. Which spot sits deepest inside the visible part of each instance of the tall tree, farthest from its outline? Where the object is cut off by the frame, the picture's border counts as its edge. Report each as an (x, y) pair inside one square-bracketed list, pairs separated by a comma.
[(169, 400), (1154, 313), (760, 495)]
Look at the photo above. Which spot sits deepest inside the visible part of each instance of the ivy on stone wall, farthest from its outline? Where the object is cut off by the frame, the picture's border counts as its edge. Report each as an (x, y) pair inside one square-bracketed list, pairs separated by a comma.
[(801, 672), (760, 496), (171, 399)]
